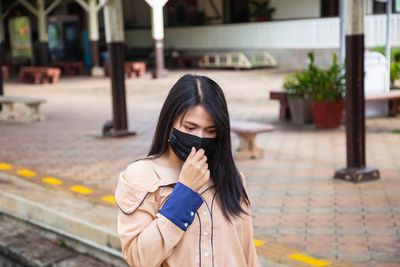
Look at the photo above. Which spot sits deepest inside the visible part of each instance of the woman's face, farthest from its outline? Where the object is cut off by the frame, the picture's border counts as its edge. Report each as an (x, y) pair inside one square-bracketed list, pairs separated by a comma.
[(197, 121)]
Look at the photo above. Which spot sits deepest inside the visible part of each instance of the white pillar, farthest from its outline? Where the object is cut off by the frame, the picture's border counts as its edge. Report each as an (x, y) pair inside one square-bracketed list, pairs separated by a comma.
[(2, 36), (157, 30), (41, 16), (388, 15), (157, 25), (113, 21), (342, 15), (93, 21)]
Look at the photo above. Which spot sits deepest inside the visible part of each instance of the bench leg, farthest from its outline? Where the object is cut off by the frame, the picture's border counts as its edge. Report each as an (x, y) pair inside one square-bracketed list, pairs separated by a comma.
[(395, 108), (8, 111), (248, 148), (33, 113)]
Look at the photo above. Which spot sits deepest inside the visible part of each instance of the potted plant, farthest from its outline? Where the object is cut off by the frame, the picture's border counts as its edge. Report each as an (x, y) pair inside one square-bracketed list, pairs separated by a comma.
[(298, 86), (261, 10), (327, 94)]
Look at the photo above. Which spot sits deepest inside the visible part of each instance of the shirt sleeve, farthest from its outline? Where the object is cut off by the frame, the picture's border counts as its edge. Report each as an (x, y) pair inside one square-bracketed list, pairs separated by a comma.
[(249, 247), (147, 235)]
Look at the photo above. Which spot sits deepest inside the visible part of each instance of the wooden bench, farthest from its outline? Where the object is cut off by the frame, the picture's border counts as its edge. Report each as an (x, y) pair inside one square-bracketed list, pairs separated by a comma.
[(189, 61), (247, 132), (5, 73), (132, 68), (393, 95), (70, 67), (281, 96), (39, 74), (33, 104)]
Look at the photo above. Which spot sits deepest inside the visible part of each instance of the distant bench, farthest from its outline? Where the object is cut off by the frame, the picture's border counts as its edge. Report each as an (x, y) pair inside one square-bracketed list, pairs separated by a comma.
[(132, 68), (39, 74), (5, 73), (33, 105), (247, 132), (284, 113), (391, 95), (70, 67)]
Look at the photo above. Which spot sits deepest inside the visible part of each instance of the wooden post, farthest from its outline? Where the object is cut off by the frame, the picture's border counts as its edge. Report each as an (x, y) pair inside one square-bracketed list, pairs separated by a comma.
[(157, 27), (114, 28), (356, 170), (1, 49)]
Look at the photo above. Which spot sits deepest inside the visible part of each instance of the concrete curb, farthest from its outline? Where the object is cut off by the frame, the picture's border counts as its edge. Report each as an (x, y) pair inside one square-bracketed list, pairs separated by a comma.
[(37, 213)]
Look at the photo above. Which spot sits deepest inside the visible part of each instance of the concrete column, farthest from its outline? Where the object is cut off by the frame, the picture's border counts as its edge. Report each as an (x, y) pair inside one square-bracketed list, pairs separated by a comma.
[(356, 170), (114, 28), (157, 28), (43, 38), (92, 10), (94, 35)]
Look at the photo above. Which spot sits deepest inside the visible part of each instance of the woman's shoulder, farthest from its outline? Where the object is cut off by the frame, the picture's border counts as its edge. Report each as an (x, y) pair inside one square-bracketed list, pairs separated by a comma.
[(140, 174), (134, 184)]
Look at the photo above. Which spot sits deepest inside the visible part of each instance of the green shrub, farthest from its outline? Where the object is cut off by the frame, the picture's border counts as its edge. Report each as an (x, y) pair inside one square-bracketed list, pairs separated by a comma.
[(317, 84)]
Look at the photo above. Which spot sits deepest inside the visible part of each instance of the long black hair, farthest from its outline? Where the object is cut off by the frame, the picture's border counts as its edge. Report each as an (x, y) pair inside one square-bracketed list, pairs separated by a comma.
[(188, 92)]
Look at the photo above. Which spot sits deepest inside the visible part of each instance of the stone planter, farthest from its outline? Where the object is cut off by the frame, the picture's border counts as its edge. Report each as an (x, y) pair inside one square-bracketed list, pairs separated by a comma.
[(300, 109)]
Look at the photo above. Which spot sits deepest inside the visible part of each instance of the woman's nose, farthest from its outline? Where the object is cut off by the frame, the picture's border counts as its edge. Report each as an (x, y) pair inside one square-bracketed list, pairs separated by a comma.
[(199, 133)]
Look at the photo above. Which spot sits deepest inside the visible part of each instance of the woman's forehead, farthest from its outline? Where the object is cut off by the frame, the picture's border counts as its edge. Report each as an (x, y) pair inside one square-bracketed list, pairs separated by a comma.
[(198, 115)]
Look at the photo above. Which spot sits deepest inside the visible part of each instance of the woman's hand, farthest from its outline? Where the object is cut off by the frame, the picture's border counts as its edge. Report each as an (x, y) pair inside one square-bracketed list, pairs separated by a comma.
[(195, 173)]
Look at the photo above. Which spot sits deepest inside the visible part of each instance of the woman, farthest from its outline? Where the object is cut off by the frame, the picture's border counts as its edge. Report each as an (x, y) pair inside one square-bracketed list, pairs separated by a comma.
[(185, 204)]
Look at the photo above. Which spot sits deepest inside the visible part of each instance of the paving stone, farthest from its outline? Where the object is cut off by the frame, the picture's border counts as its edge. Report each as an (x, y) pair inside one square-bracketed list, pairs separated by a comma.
[(350, 231), (386, 257), (358, 257), (80, 260), (321, 231), (23, 247)]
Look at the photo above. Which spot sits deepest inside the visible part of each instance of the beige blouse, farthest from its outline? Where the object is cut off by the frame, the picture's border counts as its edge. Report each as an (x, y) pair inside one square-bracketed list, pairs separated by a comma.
[(164, 223)]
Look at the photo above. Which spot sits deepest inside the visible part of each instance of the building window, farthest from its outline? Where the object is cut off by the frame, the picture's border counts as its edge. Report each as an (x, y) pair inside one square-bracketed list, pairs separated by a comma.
[(329, 8), (379, 7)]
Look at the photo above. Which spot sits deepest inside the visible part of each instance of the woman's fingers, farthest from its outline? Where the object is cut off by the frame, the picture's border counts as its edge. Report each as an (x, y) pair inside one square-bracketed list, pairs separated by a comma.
[(192, 153)]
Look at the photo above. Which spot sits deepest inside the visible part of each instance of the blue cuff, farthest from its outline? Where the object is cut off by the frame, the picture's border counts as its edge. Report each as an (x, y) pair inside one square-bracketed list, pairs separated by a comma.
[(181, 206)]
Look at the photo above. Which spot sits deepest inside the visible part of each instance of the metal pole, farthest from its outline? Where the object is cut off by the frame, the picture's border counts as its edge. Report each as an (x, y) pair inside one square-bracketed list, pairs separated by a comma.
[(356, 170), (387, 50), (114, 28), (342, 49)]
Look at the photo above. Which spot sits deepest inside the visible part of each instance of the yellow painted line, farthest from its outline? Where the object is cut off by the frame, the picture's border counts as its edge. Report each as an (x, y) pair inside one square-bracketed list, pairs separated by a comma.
[(258, 243), (26, 173), (81, 189), (309, 260), (52, 180), (109, 199), (5, 166)]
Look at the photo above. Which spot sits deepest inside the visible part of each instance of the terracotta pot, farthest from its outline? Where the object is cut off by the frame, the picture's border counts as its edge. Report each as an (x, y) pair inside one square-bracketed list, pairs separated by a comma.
[(327, 115)]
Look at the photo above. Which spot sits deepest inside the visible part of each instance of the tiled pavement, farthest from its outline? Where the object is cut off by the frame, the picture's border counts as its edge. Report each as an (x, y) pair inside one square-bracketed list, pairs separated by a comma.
[(295, 201)]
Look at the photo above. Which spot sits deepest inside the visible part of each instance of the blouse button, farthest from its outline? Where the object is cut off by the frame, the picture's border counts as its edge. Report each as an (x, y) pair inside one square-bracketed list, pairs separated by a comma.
[(205, 233), (205, 212), (206, 254), (192, 213), (186, 224)]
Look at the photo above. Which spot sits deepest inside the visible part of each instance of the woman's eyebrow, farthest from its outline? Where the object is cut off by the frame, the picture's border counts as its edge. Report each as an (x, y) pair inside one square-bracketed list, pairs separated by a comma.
[(194, 124)]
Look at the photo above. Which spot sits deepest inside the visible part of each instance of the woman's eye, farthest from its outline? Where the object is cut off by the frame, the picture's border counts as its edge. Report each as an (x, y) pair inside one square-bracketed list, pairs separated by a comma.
[(211, 131), (189, 128)]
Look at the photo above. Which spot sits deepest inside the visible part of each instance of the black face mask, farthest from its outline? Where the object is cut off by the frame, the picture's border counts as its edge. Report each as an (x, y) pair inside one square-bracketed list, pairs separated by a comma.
[(182, 143)]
